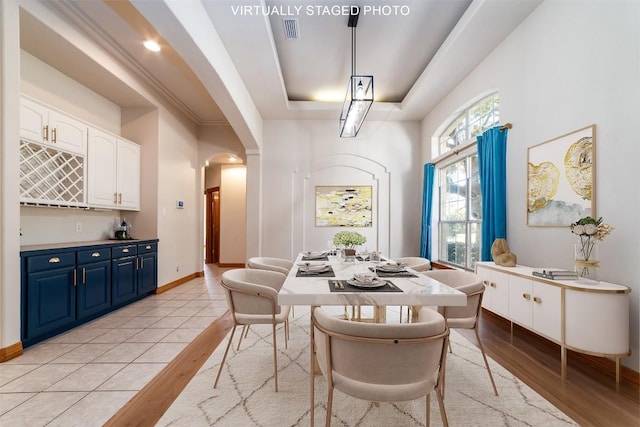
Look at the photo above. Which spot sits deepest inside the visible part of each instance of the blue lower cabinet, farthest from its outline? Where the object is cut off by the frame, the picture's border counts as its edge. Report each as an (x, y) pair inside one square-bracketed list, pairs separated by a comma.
[(94, 288), (52, 300), (124, 286), (63, 288), (148, 268)]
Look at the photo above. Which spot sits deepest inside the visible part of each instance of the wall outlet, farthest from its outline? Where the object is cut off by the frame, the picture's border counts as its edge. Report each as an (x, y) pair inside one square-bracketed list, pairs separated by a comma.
[(78, 227)]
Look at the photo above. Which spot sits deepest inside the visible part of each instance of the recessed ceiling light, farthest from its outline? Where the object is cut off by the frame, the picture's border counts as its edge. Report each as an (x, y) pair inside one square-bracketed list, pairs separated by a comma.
[(152, 45)]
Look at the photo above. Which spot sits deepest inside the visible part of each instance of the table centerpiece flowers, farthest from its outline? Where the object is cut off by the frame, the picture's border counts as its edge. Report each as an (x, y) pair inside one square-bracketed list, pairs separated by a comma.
[(589, 230), (349, 240)]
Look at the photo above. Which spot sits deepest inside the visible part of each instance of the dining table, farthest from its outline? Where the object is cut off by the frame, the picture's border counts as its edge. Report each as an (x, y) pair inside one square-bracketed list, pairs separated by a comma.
[(321, 279), (309, 284)]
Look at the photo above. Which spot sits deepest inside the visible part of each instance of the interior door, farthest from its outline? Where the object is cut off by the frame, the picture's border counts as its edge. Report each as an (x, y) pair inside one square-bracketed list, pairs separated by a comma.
[(212, 226)]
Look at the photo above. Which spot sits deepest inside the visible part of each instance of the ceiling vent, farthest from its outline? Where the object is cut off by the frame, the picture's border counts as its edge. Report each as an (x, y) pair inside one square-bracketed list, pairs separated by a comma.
[(291, 30)]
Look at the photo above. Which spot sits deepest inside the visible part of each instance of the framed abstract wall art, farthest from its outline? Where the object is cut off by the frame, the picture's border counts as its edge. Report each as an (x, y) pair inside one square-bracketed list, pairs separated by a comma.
[(343, 206), (561, 178)]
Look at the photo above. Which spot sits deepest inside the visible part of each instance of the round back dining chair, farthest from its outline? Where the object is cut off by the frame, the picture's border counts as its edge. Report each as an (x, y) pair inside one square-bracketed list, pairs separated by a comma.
[(381, 362), (280, 265), (252, 296), (465, 317), (415, 262)]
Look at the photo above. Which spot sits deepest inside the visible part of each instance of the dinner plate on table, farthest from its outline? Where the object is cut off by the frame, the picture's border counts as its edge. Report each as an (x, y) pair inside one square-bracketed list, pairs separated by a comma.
[(313, 268), (376, 283), (314, 255), (391, 268)]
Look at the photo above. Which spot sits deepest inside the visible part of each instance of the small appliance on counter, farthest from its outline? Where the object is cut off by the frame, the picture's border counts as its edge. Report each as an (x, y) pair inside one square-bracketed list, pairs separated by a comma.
[(123, 232)]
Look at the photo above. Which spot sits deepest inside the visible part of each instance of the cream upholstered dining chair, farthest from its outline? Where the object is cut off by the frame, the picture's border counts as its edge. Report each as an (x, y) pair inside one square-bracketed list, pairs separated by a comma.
[(415, 262), (280, 265), (381, 362), (252, 296), (465, 317)]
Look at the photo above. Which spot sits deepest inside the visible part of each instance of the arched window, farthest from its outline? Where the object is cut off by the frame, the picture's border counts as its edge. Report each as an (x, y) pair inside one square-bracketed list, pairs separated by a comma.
[(474, 120), (458, 180)]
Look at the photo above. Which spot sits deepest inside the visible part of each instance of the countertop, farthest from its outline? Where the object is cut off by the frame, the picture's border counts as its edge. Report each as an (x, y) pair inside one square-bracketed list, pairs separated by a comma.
[(65, 245)]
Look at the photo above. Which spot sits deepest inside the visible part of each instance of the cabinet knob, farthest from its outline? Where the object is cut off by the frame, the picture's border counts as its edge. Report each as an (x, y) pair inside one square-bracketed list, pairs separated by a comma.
[(115, 198), (493, 284), (53, 136), (54, 259), (95, 254), (537, 299), (526, 296), (125, 250), (46, 132), (148, 247)]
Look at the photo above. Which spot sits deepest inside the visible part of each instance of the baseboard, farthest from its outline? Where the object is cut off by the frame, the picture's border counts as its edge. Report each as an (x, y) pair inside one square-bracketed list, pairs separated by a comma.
[(11, 352), (231, 264), (178, 282)]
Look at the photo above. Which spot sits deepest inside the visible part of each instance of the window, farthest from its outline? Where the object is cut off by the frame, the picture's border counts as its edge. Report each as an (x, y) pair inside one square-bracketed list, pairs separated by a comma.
[(460, 213), (471, 122), (460, 201)]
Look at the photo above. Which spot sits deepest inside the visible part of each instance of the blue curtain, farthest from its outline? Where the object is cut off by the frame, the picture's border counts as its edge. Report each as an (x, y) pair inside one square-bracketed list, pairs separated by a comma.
[(427, 201), (492, 159)]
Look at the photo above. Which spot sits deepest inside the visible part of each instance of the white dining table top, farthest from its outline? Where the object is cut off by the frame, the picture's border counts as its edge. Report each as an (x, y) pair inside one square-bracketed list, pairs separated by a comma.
[(315, 290)]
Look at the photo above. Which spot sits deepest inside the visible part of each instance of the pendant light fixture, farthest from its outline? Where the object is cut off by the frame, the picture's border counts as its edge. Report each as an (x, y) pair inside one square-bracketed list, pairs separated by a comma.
[(359, 97)]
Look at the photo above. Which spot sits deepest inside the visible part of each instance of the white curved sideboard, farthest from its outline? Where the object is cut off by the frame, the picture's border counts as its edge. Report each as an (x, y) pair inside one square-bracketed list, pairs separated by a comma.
[(581, 315)]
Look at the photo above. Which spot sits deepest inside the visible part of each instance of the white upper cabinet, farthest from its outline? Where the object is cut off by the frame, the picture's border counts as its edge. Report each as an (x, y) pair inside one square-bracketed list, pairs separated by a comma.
[(128, 175), (113, 171), (44, 125), (66, 162)]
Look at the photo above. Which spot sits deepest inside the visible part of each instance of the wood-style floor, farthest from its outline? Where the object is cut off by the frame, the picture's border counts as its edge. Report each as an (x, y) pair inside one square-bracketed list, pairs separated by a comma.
[(588, 396)]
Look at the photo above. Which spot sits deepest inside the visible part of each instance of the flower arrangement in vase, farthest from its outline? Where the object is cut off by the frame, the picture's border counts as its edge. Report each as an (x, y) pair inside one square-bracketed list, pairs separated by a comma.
[(586, 256), (349, 240)]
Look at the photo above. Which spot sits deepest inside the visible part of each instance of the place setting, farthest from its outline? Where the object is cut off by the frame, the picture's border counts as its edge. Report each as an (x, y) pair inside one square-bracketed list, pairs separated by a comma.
[(367, 282), (306, 269), (391, 270), (315, 256)]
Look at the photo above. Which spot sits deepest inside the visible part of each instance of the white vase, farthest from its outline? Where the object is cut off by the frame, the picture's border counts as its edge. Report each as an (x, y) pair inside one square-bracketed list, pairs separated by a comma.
[(586, 258)]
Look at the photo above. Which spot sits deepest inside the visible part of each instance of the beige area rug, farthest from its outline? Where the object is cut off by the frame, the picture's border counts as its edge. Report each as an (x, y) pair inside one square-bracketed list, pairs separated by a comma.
[(246, 397)]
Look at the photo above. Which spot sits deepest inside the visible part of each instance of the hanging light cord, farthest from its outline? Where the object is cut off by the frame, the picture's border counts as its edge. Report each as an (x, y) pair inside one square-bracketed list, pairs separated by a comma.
[(353, 51)]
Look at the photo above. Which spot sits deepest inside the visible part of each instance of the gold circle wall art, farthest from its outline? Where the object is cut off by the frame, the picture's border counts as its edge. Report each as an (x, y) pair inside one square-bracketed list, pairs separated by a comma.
[(560, 179)]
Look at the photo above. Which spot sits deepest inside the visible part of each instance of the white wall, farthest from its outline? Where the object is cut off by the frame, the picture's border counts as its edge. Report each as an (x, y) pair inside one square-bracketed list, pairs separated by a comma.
[(569, 65), (9, 174), (298, 155), (212, 176), (179, 178), (233, 219), (50, 86)]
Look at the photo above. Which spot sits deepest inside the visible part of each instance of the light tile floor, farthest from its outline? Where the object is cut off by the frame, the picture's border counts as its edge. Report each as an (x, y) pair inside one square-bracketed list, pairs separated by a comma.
[(84, 376)]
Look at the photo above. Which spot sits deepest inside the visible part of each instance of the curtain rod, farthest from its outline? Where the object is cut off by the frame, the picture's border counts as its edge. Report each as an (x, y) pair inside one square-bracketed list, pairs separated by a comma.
[(471, 144)]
